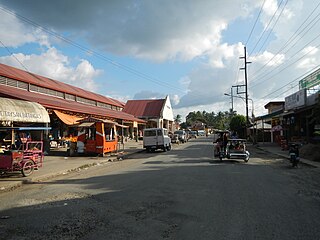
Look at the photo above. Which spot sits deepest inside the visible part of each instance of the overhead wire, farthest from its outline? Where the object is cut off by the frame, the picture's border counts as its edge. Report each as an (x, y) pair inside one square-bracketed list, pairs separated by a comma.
[(247, 41), (270, 31), (291, 39), (287, 84), (96, 54), (255, 23), (288, 65), (265, 29), (11, 54)]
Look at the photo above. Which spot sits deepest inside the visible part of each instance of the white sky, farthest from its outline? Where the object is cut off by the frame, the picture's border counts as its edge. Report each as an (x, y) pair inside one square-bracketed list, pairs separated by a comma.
[(186, 49)]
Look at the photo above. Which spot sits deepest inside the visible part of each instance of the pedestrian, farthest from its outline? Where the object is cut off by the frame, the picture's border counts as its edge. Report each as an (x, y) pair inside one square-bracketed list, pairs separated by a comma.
[(225, 141)]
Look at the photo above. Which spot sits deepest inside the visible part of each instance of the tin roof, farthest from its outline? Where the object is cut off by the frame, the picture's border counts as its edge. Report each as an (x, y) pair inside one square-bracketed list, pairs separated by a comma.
[(63, 104), (145, 108), (24, 76)]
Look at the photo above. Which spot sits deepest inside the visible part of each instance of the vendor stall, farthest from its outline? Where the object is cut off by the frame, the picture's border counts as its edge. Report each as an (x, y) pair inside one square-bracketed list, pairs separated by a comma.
[(22, 133), (95, 136)]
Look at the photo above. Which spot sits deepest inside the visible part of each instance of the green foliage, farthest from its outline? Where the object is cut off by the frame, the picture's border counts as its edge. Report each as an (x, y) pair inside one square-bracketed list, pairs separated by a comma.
[(183, 125), (238, 124), (178, 119), (218, 121)]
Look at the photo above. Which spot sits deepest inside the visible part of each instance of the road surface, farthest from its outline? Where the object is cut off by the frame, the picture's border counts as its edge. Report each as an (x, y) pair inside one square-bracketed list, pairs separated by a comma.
[(181, 194)]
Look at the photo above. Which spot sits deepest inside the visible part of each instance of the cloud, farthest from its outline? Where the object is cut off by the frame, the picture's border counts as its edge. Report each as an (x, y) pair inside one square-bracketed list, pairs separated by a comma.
[(148, 95), (171, 31), (209, 81), (311, 60), (53, 64), (14, 33), (269, 59), (153, 30)]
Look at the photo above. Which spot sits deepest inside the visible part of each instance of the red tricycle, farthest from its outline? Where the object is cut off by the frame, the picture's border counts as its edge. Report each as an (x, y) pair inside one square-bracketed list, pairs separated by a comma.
[(25, 157)]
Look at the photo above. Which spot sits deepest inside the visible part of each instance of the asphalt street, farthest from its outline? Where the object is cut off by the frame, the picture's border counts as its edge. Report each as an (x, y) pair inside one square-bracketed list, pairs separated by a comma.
[(181, 194)]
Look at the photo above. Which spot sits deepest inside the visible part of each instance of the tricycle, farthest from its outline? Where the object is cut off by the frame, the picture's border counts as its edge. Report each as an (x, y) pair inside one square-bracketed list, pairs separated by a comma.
[(234, 149), (26, 160), (19, 152)]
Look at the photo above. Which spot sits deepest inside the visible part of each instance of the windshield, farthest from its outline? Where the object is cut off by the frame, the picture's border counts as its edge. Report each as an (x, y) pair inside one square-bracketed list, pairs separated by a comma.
[(178, 132)]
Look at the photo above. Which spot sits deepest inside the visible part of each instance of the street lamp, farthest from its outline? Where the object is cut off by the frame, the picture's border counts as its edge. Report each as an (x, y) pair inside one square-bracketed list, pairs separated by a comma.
[(232, 96), (231, 100)]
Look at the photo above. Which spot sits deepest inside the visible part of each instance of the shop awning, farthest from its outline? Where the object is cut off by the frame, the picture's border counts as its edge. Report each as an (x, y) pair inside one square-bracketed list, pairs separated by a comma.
[(85, 124), (122, 126), (67, 118), (22, 111), (261, 125)]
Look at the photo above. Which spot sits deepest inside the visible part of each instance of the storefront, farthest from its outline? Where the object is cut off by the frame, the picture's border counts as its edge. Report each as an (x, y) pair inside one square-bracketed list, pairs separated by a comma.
[(63, 104), (19, 114)]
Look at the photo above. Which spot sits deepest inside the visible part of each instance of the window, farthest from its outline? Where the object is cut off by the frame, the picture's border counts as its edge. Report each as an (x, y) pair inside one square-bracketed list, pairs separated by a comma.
[(150, 133), (159, 132)]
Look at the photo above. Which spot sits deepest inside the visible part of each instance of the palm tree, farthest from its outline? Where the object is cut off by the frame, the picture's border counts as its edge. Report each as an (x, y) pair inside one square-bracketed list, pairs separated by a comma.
[(177, 119)]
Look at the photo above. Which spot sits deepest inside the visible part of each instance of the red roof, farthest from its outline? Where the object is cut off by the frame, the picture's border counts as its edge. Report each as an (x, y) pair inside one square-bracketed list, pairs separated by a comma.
[(63, 104), (24, 76), (144, 108)]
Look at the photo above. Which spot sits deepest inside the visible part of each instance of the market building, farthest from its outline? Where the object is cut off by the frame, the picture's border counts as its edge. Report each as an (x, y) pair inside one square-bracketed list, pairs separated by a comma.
[(64, 103)]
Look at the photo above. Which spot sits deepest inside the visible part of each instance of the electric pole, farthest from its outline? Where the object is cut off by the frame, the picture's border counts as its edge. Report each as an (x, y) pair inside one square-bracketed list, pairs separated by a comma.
[(246, 83)]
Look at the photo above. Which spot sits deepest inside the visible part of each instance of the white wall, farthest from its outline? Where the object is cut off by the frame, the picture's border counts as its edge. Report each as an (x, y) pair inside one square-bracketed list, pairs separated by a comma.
[(167, 112)]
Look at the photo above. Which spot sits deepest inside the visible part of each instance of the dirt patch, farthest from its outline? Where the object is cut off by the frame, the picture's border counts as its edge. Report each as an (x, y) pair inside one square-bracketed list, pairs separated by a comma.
[(310, 151)]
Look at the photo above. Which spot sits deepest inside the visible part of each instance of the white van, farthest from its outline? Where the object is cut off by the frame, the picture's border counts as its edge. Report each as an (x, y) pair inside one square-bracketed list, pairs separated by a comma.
[(156, 138)]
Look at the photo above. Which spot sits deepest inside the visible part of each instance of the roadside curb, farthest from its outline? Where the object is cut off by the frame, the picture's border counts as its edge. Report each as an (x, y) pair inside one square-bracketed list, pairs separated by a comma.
[(303, 160), (36, 179)]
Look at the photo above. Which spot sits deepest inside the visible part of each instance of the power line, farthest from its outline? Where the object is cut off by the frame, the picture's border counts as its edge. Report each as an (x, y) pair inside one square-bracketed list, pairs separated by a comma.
[(10, 53), (265, 29), (290, 63), (291, 40), (255, 23), (275, 23), (296, 79), (95, 53)]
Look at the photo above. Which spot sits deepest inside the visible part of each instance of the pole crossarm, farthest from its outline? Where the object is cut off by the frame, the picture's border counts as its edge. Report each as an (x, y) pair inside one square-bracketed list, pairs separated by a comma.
[(239, 87)]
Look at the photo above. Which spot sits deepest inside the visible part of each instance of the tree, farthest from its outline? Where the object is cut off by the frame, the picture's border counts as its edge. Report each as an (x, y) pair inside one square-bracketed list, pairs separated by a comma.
[(177, 119), (238, 124)]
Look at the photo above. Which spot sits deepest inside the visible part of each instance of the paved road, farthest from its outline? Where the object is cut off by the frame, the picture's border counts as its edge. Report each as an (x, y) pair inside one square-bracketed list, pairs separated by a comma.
[(181, 194)]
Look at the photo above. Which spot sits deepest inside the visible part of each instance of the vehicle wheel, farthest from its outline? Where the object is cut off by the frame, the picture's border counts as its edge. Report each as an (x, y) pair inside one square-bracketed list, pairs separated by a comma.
[(169, 147), (27, 168), (294, 163)]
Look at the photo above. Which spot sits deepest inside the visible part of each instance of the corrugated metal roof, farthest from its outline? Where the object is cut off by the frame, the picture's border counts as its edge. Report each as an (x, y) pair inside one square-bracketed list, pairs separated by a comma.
[(63, 104), (144, 108), (18, 74)]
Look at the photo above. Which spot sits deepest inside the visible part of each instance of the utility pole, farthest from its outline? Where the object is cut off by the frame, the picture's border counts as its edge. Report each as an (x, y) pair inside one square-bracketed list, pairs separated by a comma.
[(246, 83), (231, 94)]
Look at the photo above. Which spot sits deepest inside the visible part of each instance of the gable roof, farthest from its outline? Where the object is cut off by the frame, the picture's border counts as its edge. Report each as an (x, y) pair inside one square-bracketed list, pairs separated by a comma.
[(27, 77), (275, 103), (145, 108)]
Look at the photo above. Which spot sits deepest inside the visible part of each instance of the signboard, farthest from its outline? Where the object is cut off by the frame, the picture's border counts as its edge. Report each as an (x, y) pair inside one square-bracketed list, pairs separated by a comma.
[(12, 110), (311, 80), (296, 100)]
